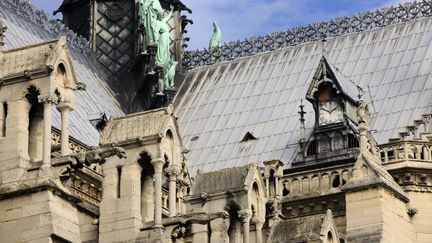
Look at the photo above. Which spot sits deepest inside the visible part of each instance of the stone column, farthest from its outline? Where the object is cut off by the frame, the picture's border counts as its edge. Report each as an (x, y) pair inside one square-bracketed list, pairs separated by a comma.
[(180, 199), (235, 233), (258, 226), (158, 166), (277, 186), (199, 233), (65, 110), (219, 230), (47, 101), (245, 216), (172, 173), (2, 120), (267, 186)]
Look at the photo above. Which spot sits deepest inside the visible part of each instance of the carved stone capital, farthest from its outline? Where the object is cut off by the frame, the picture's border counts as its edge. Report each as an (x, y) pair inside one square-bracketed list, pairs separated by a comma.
[(47, 99), (158, 164), (172, 172), (245, 215), (65, 106)]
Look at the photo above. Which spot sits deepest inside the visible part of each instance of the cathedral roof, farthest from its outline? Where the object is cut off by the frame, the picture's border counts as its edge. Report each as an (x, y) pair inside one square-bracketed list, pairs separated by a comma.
[(28, 26), (219, 103)]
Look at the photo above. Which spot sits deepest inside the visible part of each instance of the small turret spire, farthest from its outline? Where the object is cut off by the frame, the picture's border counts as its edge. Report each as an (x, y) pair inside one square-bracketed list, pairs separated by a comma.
[(302, 122)]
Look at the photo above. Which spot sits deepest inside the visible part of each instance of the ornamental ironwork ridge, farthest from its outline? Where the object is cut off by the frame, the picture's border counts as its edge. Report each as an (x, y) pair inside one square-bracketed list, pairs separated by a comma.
[(318, 31), (39, 17)]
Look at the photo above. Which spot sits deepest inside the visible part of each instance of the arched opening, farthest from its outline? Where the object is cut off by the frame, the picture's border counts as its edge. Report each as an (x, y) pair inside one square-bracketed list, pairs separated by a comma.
[(255, 199), (272, 184), (312, 149), (35, 125), (61, 76), (3, 117), (234, 230), (285, 191), (147, 187), (165, 185), (338, 141), (325, 143), (336, 181), (169, 135), (352, 141), (329, 237)]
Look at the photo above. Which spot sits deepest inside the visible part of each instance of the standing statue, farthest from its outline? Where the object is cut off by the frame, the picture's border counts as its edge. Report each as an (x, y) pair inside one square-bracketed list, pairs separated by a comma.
[(169, 72), (215, 40), (149, 10), (163, 55)]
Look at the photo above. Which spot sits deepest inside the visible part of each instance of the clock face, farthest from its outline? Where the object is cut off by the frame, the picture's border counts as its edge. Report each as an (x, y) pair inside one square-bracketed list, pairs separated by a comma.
[(329, 113)]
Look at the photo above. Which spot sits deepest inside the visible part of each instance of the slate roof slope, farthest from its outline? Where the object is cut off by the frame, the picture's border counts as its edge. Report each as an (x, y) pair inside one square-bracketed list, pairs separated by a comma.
[(218, 104), (28, 26)]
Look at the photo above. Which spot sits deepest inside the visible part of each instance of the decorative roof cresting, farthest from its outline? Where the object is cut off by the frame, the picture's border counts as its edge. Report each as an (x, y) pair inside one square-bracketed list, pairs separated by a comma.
[(41, 18), (335, 27)]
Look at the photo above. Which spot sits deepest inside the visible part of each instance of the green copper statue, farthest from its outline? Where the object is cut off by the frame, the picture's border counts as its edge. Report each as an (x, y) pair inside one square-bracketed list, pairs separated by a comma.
[(163, 55), (215, 40), (169, 72), (149, 10)]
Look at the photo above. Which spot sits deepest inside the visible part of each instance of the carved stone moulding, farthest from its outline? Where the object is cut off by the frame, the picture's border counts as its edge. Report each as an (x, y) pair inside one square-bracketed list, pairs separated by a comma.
[(335, 202)]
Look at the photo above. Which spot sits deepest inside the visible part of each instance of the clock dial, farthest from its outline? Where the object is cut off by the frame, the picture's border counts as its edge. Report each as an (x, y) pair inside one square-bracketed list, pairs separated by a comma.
[(330, 112)]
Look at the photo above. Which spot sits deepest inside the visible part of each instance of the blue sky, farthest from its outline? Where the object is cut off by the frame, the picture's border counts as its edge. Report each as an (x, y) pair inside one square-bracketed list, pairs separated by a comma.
[(239, 19)]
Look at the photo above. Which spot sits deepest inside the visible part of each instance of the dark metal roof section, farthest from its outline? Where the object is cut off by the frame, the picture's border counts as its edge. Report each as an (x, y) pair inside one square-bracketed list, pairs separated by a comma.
[(336, 27)]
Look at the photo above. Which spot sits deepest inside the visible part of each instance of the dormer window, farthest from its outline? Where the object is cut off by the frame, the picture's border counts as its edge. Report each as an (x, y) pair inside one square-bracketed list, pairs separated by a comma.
[(98, 120), (248, 137)]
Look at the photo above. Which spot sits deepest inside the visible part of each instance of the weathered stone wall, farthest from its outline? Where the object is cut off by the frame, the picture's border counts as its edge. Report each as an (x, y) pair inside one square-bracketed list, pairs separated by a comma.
[(422, 224), (36, 217), (376, 215), (89, 228)]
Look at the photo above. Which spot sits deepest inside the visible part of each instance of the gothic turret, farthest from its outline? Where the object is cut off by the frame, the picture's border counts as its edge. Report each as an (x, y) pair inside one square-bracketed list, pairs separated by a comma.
[(335, 134)]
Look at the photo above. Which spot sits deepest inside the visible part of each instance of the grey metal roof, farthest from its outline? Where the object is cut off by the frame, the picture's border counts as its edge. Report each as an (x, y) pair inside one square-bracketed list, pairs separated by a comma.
[(218, 104), (26, 26)]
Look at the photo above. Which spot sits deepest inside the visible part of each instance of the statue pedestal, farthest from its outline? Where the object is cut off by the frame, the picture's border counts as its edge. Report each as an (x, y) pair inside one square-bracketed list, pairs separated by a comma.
[(169, 95), (152, 50)]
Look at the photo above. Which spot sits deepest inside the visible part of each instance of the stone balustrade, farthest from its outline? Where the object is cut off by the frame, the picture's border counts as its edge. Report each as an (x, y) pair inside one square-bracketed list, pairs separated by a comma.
[(298, 185), (414, 150)]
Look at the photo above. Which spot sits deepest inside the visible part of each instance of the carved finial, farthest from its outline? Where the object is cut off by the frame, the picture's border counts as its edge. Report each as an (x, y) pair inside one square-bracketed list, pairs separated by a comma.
[(3, 28), (302, 122), (323, 44)]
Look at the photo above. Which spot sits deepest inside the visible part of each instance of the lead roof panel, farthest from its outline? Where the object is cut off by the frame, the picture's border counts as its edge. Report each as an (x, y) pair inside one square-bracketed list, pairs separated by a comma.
[(392, 65)]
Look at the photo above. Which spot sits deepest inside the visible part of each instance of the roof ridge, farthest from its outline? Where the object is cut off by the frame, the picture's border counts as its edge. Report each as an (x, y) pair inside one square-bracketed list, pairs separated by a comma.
[(316, 31), (39, 17)]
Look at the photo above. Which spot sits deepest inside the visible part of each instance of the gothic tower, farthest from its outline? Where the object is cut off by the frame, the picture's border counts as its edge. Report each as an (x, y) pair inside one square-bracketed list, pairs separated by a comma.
[(115, 32)]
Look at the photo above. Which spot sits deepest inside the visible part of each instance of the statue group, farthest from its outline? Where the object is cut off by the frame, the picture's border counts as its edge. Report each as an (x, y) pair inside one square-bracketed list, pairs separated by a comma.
[(156, 29)]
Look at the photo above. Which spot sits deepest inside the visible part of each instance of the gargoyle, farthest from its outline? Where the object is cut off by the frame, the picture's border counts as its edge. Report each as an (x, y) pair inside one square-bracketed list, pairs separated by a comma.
[(98, 156)]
